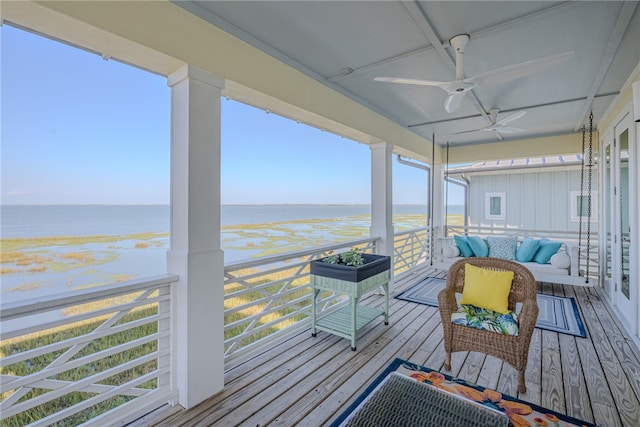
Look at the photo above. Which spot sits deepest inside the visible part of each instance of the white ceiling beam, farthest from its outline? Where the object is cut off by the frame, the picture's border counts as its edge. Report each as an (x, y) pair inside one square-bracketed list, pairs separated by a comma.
[(501, 26), (352, 72), (525, 18), (624, 18)]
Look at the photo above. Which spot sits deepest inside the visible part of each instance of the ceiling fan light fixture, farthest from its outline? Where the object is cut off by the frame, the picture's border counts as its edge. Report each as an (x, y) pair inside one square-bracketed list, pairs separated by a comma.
[(459, 42)]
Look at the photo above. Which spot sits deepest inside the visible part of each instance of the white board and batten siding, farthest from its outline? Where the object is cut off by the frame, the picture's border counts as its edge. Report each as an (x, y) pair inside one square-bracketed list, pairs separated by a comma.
[(539, 200)]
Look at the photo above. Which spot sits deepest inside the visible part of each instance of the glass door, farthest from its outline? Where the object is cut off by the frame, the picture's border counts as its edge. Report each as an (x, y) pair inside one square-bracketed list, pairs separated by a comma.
[(608, 211), (620, 223)]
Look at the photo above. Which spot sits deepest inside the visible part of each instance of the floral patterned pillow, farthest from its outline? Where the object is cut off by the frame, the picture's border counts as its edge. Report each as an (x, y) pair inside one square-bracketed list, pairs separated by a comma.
[(480, 318)]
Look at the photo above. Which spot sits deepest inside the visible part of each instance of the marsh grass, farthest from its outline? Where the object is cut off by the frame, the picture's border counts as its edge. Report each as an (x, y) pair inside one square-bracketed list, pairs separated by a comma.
[(26, 262), (299, 290), (20, 243), (455, 219), (31, 255), (26, 287)]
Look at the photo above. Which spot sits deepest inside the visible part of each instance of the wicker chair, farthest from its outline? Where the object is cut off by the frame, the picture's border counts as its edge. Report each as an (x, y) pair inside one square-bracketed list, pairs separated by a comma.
[(512, 349)]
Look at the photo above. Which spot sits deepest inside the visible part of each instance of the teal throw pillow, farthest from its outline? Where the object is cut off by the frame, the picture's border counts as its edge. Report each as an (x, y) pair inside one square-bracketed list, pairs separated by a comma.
[(463, 245), (546, 251), (527, 249), (478, 246), (502, 247)]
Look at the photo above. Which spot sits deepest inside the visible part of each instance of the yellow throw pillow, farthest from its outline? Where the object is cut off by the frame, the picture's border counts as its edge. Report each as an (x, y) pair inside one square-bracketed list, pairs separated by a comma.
[(487, 289)]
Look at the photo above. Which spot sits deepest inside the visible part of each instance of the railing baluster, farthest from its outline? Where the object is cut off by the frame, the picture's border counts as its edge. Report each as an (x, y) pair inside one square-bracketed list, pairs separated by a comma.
[(149, 351), (271, 300)]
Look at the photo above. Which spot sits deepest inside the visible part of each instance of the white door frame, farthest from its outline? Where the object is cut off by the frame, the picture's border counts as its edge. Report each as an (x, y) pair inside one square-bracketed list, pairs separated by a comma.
[(606, 227), (626, 305)]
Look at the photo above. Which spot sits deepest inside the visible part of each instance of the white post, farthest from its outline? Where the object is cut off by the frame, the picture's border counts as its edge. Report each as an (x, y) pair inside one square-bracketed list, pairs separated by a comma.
[(438, 201), (195, 254), (381, 197), (437, 175)]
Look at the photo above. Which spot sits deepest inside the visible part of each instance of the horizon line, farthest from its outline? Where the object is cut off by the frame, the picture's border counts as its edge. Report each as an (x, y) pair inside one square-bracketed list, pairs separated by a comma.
[(222, 204)]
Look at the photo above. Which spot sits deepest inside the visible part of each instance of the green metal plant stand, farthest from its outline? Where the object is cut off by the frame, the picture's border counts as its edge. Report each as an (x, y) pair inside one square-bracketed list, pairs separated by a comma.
[(348, 320)]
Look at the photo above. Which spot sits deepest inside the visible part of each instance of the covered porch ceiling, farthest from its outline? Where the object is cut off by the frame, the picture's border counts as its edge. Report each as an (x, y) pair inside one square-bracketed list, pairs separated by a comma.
[(347, 44), (319, 60)]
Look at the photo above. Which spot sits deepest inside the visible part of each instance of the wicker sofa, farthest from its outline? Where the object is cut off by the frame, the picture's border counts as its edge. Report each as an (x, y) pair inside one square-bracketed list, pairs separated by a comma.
[(563, 267)]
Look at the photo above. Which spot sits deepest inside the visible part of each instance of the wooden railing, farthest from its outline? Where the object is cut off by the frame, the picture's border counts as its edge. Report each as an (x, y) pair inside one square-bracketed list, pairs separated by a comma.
[(96, 356), (410, 248), (269, 299), (103, 356)]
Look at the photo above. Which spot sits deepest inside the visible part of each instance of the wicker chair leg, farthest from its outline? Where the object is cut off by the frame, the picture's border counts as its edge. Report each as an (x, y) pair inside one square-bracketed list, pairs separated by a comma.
[(447, 362), (522, 388)]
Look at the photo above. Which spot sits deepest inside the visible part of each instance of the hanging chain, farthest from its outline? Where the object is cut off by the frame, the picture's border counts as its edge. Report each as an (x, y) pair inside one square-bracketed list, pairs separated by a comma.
[(580, 213), (620, 186), (589, 196), (432, 185), (446, 196)]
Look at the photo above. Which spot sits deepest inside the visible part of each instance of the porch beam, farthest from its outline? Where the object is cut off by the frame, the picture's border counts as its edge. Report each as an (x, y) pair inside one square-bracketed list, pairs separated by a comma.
[(518, 149)]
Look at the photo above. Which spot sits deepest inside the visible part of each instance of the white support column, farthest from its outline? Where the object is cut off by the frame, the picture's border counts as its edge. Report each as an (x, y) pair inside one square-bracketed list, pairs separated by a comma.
[(195, 254), (381, 196), (437, 175), (438, 200)]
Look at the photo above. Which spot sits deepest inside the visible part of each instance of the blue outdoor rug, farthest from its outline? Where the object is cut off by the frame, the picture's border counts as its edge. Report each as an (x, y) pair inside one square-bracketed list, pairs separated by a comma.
[(558, 314)]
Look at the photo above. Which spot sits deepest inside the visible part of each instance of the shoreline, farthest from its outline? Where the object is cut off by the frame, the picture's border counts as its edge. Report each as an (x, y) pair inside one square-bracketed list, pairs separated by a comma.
[(35, 266)]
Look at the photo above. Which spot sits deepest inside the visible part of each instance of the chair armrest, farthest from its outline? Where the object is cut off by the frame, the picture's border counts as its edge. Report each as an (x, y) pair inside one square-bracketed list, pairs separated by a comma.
[(572, 251), (447, 303), (528, 316)]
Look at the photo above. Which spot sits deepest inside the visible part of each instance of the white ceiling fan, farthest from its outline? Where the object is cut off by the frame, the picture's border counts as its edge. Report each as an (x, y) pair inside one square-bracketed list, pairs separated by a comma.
[(498, 126), (457, 88)]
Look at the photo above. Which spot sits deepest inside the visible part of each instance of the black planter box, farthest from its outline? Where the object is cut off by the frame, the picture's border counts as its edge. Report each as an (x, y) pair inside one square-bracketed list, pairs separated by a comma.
[(373, 264)]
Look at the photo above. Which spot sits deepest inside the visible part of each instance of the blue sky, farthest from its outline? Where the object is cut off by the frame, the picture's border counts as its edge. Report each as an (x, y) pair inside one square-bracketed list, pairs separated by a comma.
[(77, 129)]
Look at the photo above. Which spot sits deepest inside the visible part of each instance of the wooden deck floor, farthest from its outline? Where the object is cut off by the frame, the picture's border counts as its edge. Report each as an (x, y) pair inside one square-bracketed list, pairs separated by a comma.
[(309, 381)]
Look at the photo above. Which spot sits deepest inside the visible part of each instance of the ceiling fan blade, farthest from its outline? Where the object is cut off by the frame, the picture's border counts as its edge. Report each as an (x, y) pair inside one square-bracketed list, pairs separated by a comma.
[(508, 129), (522, 69), (413, 81), (511, 118), (452, 103)]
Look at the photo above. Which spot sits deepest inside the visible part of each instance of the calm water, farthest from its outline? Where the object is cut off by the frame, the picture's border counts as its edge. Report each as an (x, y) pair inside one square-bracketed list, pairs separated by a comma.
[(123, 257), (86, 220), (82, 220)]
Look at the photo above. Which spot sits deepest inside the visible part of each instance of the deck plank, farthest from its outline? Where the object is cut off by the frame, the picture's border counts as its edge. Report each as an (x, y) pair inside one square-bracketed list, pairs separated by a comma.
[(310, 366), (360, 379), (470, 369), (332, 379), (620, 342), (533, 373), (553, 396), (575, 389), (309, 381), (624, 398), (490, 373)]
